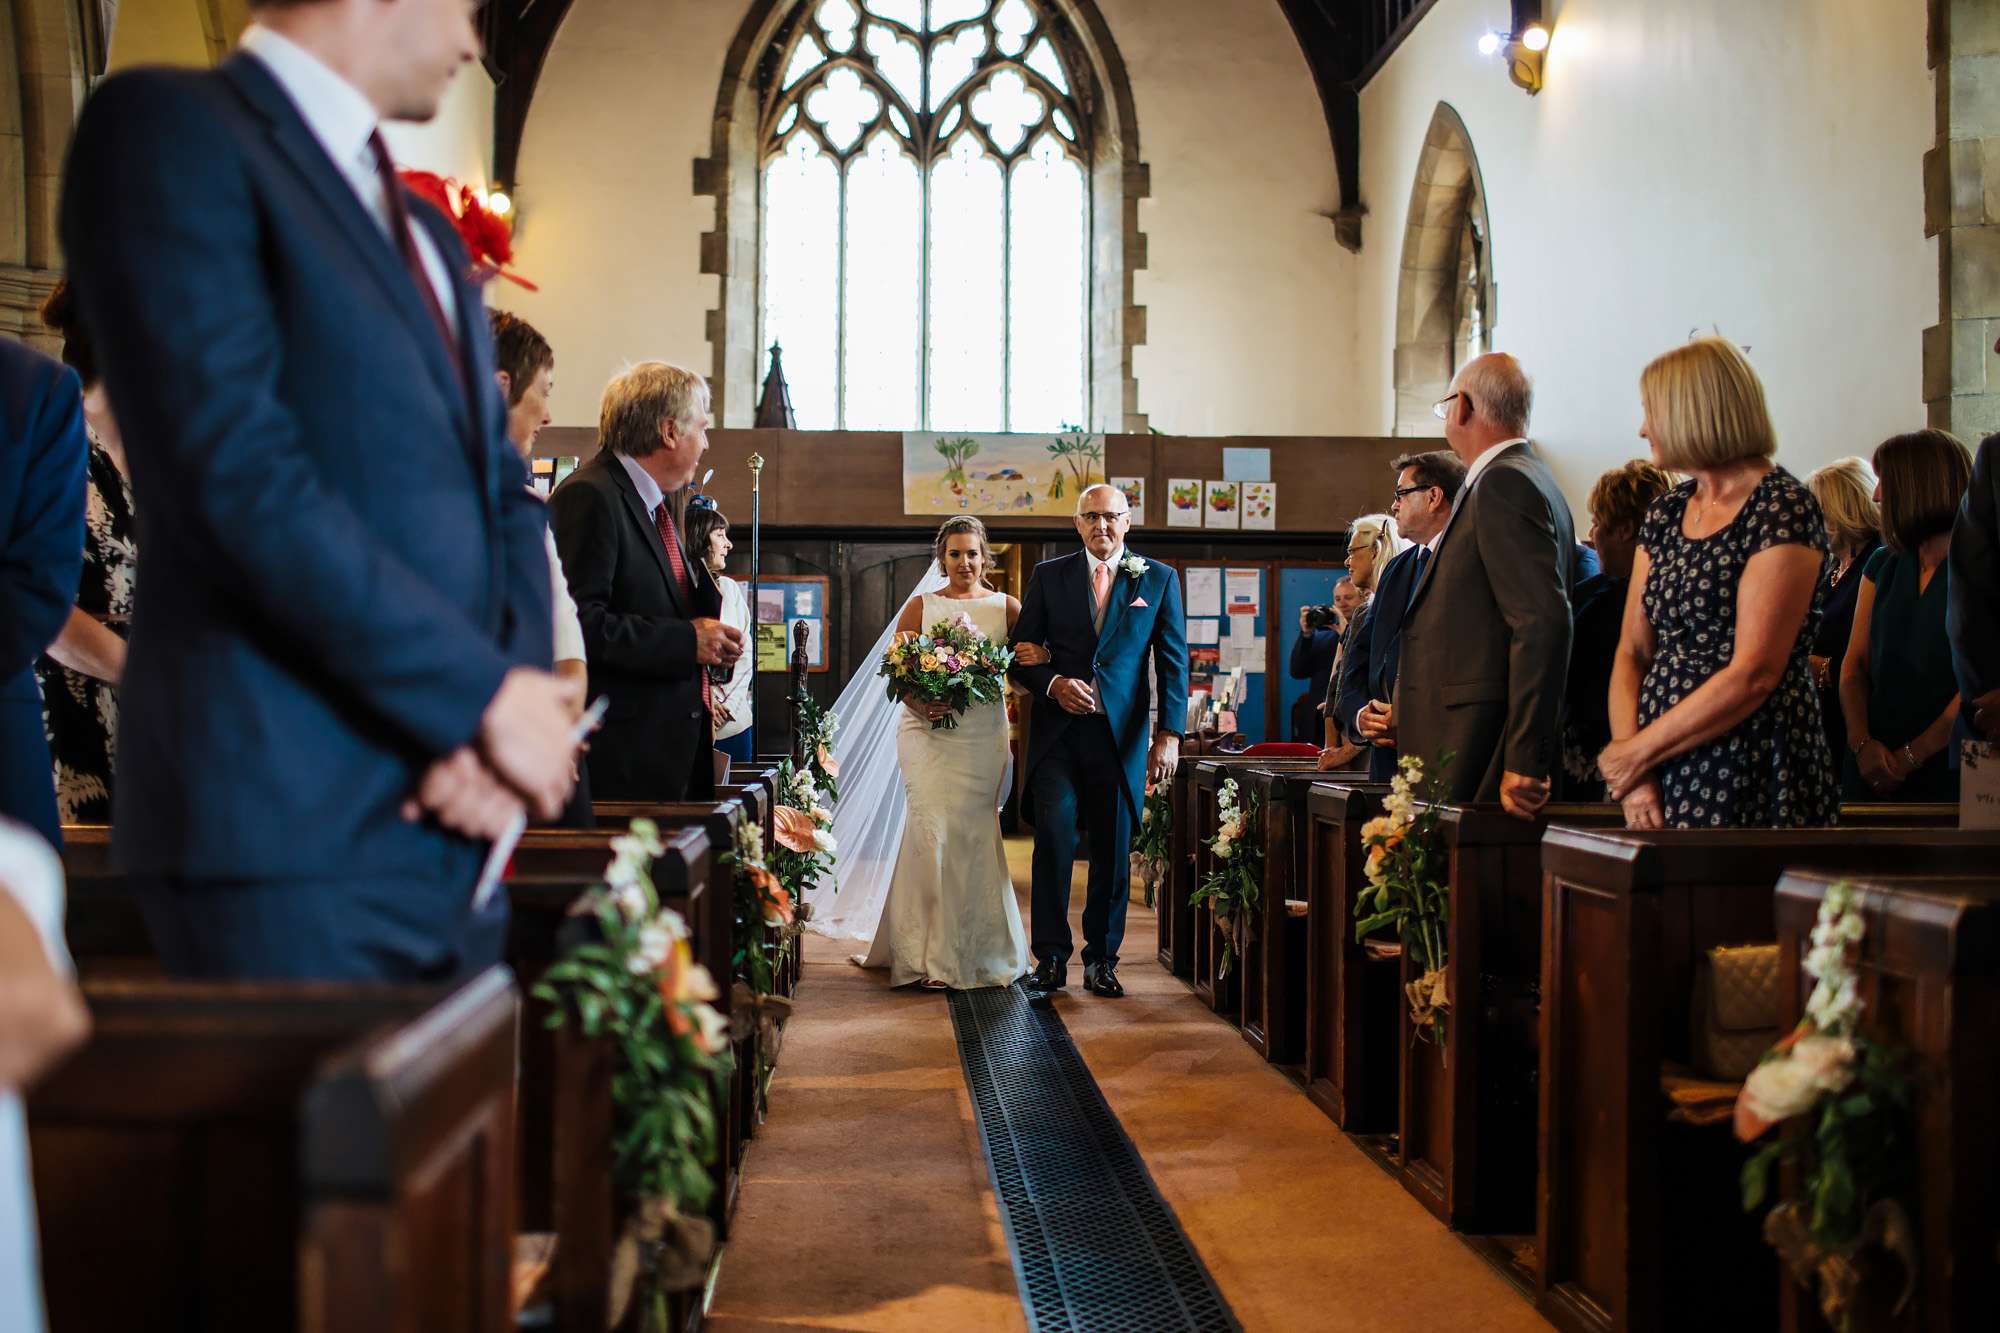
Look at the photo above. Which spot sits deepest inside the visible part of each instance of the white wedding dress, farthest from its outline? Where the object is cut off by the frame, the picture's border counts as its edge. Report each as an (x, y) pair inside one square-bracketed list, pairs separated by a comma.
[(951, 916)]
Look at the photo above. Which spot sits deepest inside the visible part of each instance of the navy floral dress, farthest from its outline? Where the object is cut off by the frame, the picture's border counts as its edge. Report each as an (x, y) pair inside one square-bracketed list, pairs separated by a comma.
[(1773, 769)]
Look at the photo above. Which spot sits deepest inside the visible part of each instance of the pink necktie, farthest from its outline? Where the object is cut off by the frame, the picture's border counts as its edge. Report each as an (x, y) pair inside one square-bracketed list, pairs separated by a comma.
[(1100, 586)]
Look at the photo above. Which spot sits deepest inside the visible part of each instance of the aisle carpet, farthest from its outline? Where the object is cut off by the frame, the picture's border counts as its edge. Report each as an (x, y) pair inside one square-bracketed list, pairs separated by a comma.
[(867, 1203)]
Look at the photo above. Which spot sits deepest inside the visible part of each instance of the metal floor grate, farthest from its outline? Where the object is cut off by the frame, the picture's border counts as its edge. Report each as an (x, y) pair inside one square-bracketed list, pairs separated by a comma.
[(1096, 1249)]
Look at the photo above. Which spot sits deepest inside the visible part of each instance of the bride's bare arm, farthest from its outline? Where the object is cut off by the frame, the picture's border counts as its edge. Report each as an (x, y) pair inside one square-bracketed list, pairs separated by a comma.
[(912, 619)]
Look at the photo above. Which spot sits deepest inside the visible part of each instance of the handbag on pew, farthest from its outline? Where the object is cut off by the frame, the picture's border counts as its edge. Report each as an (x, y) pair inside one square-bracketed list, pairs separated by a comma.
[(1735, 1012)]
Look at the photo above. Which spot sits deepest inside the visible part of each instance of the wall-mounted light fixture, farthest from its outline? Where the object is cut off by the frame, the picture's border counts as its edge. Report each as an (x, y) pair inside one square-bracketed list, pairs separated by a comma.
[(500, 202), (1524, 47)]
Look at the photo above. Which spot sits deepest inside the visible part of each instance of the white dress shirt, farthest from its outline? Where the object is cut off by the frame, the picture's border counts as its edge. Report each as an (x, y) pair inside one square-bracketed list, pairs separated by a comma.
[(342, 119), (569, 626), (650, 494), (31, 875)]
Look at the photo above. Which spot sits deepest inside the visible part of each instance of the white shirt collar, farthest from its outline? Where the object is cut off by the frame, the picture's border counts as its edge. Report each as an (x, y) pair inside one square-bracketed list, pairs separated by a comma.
[(336, 112), (650, 493), (1116, 556), (1479, 464)]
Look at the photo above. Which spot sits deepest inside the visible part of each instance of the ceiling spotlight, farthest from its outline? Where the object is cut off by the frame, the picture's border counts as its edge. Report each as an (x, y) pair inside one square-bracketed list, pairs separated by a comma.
[(1489, 44), (499, 202), (1536, 38)]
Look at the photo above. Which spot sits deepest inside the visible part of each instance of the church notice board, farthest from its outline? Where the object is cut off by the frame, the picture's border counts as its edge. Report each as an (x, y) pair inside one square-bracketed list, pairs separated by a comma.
[(784, 600), (1228, 617)]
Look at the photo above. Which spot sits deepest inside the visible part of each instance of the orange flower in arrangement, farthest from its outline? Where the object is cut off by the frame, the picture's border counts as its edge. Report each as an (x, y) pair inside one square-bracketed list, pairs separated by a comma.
[(795, 829), (686, 988), (487, 236), (772, 893), (828, 763)]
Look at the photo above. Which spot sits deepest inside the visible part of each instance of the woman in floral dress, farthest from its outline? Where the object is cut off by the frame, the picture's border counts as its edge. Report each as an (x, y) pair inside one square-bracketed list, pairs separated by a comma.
[(1714, 719), (80, 672)]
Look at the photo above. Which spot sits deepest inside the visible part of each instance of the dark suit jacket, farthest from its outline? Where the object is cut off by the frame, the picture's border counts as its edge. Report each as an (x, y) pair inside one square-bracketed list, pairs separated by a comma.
[(1485, 647), (1057, 611), (342, 556), (1972, 610), (42, 459), (656, 741), (1372, 672)]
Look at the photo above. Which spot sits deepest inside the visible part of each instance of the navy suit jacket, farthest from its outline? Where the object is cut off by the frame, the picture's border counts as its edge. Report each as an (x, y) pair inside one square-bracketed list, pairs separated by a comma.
[(42, 459), (1057, 611), (1972, 611), (1371, 671), (342, 556)]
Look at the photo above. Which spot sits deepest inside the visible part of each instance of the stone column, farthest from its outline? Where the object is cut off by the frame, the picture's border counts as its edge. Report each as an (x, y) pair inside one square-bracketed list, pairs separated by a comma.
[(42, 84), (1962, 209)]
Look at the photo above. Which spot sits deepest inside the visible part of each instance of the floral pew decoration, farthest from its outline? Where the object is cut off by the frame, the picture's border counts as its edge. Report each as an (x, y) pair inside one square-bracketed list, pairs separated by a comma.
[(637, 986), (1233, 887), (1150, 849), (1842, 1102), (1407, 889), (766, 916)]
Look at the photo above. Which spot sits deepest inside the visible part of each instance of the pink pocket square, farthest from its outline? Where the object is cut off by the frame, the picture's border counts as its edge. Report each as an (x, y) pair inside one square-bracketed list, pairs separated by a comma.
[(1138, 601)]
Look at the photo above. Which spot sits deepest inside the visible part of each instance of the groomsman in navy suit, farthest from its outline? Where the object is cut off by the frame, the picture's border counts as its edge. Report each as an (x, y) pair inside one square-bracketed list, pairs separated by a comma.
[(338, 691), (42, 453), (1097, 738)]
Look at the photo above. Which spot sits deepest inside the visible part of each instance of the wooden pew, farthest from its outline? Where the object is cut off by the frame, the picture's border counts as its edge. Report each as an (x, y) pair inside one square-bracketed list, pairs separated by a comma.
[(266, 1157), (1930, 973), (1351, 1054), (1638, 1224), (1274, 967)]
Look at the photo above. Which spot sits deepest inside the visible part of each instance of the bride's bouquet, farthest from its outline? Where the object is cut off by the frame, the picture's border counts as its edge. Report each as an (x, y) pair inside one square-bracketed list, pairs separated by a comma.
[(951, 663)]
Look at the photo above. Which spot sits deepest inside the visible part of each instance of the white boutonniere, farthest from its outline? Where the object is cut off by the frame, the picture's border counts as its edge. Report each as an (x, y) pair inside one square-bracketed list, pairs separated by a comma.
[(1132, 565)]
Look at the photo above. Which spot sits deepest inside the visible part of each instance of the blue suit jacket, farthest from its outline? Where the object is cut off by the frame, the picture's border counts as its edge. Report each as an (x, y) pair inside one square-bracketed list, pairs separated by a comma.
[(341, 556), (42, 458), (1056, 611), (1370, 669)]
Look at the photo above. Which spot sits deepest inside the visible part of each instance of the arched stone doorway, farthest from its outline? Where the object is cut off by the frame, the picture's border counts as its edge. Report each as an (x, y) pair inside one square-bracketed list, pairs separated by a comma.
[(1445, 297)]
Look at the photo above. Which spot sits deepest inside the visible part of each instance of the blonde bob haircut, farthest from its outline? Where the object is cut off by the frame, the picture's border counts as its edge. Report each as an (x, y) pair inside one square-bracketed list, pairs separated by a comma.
[(640, 399), (953, 527), (1377, 531), (1845, 489), (1705, 407)]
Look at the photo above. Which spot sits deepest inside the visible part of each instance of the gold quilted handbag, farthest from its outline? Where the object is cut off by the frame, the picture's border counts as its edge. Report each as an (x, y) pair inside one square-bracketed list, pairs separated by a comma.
[(1735, 1011)]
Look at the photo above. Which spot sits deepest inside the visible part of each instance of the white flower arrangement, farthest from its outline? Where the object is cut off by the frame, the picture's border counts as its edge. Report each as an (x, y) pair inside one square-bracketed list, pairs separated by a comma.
[(1821, 1057), (1133, 566), (1232, 888)]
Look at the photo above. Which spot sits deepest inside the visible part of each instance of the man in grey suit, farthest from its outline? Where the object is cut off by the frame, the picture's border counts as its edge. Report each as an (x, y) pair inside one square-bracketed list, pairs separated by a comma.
[(1486, 640)]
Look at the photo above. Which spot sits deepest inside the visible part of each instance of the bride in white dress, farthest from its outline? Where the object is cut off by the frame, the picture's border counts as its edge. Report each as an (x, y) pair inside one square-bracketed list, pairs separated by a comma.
[(951, 919)]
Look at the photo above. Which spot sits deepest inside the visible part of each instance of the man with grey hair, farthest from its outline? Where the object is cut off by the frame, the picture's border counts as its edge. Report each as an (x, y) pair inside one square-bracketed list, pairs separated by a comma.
[(1485, 643), (650, 611)]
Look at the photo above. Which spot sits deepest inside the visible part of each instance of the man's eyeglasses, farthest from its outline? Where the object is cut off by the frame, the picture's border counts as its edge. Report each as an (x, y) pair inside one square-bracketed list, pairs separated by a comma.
[(1402, 491), (1095, 516), (1438, 409)]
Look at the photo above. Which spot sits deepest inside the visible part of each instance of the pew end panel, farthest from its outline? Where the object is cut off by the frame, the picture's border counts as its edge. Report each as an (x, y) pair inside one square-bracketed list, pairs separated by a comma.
[(1351, 1054), (1627, 916), (1274, 968), (408, 1166), (1929, 967)]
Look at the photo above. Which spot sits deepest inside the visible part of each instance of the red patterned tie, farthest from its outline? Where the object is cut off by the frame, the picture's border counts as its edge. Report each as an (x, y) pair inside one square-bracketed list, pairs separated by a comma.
[(670, 537), (406, 245)]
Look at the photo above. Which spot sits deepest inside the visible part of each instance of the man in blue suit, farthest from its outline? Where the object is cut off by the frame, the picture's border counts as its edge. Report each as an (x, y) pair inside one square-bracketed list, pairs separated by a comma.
[(1426, 487), (338, 690), (1097, 740), (41, 527)]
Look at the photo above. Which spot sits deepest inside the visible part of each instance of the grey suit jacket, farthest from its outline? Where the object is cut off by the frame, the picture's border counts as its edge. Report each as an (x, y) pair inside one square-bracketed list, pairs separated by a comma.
[(1486, 641)]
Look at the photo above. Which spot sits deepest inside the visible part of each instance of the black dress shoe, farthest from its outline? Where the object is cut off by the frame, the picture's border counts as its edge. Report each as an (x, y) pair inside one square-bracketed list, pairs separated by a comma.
[(1050, 975), (1103, 980)]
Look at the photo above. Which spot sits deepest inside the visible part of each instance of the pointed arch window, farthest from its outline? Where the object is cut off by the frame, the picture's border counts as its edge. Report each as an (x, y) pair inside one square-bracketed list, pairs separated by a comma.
[(925, 209)]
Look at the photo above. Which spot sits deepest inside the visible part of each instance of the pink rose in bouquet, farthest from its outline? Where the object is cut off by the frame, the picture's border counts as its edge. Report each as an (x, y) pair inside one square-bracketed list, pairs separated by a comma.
[(951, 663)]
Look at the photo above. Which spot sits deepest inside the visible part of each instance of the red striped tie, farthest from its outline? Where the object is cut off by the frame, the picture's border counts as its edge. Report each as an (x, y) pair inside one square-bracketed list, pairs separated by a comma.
[(670, 537)]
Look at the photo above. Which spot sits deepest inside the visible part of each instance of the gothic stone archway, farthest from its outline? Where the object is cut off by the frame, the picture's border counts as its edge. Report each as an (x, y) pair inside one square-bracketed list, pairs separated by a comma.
[(1445, 296)]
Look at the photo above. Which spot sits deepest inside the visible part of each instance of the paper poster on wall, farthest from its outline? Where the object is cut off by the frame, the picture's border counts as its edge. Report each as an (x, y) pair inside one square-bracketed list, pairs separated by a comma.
[(774, 647), (1204, 592), (1202, 630), (770, 605), (1135, 495), (1183, 503), (1979, 786), (1246, 464), (949, 473), (1260, 505), (1244, 652), (1243, 587), (1224, 503)]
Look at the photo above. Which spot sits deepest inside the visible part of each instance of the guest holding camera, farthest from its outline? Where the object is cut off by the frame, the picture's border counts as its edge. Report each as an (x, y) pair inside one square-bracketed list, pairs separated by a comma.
[(1314, 654)]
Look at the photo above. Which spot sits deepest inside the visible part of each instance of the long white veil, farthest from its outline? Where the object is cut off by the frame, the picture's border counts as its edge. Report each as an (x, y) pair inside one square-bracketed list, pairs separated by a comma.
[(868, 817)]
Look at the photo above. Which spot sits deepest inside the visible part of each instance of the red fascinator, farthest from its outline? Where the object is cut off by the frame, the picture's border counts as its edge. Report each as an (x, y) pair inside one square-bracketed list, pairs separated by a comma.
[(487, 236)]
